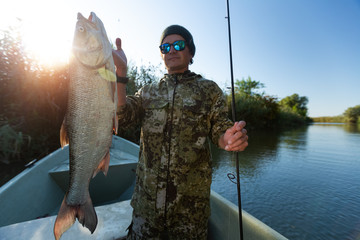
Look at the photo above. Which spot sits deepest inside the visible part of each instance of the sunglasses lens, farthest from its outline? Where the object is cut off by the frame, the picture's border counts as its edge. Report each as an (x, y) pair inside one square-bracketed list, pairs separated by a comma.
[(165, 48), (179, 45)]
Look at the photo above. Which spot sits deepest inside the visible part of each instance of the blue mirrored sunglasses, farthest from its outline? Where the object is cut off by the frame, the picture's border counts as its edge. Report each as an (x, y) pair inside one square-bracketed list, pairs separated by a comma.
[(178, 46)]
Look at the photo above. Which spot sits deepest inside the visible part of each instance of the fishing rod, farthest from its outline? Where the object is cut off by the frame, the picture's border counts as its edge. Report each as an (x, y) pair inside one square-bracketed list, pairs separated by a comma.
[(234, 119)]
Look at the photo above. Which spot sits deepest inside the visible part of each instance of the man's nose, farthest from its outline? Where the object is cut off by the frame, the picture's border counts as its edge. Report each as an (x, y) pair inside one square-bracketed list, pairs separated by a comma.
[(172, 49)]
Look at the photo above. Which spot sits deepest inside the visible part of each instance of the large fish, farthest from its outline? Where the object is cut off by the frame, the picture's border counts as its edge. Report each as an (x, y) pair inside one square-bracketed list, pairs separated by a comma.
[(89, 121)]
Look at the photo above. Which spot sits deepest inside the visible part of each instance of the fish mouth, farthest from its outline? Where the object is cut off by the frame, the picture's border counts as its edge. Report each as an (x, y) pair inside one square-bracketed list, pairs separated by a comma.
[(90, 47), (91, 20), (92, 17), (90, 44)]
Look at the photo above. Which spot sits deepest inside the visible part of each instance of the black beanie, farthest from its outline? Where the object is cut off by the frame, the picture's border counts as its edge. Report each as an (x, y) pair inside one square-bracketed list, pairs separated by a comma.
[(180, 30)]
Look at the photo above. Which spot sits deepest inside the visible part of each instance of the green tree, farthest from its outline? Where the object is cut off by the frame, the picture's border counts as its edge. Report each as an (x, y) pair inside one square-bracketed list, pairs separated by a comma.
[(142, 75), (352, 114), (248, 86), (258, 110), (262, 111), (295, 104)]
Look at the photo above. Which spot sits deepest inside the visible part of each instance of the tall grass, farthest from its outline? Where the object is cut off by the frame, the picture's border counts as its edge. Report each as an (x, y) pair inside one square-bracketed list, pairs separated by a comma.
[(32, 101)]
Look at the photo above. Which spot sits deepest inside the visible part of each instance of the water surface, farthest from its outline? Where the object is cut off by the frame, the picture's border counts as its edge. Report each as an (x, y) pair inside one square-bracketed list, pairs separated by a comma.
[(303, 183)]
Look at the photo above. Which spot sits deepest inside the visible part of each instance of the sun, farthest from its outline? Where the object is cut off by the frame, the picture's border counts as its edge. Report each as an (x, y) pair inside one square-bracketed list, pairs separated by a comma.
[(47, 51), (46, 28), (48, 42)]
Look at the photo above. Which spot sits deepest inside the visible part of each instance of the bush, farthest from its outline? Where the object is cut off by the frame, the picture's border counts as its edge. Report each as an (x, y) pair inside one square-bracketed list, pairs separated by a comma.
[(257, 111)]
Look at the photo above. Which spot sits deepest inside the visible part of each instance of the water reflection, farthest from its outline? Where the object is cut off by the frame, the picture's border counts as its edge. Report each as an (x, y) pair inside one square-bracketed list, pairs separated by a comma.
[(253, 158), (304, 183), (296, 139), (352, 128)]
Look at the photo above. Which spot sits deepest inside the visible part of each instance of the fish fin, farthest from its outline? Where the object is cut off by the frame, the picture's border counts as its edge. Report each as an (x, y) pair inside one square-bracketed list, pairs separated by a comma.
[(107, 74), (115, 123), (67, 214), (103, 165), (64, 139), (64, 220)]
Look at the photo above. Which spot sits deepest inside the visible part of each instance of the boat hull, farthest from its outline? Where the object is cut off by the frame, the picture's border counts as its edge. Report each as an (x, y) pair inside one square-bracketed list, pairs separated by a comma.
[(30, 201)]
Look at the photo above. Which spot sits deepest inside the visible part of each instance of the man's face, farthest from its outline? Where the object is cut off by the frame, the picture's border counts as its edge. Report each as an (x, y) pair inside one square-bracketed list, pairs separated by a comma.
[(176, 61)]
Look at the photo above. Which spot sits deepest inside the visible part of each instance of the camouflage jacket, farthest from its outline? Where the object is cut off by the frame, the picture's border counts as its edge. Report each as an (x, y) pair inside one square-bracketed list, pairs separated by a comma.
[(178, 115)]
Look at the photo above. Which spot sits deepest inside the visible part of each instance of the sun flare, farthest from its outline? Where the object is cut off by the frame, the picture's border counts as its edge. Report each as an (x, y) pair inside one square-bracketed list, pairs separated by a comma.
[(46, 31), (48, 44), (47, 51)]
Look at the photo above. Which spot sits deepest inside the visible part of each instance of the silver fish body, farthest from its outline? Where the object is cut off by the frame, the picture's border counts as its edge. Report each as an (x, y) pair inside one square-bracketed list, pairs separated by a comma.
[(89, 121)]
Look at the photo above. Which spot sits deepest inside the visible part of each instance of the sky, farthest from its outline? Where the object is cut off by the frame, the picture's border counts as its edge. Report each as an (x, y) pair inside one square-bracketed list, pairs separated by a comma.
[(307, 47)]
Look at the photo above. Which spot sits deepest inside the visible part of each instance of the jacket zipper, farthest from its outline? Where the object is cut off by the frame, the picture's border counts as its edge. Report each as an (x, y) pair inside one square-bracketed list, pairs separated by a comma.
[(169, 150)]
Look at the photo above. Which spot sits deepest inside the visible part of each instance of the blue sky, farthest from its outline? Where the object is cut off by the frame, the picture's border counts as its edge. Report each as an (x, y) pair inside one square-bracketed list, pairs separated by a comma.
[(307, 47)]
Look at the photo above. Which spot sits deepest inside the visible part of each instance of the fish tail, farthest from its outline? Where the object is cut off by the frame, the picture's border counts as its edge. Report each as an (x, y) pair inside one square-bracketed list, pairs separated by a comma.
[(85, 213)]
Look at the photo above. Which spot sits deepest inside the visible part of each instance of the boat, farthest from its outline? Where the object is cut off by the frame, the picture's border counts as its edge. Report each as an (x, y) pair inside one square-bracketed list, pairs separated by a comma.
[(30, 201)]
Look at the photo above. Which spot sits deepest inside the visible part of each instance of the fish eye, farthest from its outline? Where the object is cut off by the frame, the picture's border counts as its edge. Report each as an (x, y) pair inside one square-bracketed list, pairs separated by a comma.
[(81, 29)]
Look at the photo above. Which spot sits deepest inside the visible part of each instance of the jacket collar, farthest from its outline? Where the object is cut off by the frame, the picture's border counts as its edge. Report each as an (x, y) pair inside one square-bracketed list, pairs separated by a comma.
[(181, 77)]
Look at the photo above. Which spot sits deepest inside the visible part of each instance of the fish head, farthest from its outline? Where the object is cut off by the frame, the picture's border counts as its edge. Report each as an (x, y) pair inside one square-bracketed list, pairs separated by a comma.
[(91, 45)]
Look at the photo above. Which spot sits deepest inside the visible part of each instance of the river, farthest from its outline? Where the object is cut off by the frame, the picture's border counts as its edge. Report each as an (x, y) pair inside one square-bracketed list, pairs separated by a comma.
[(303, 183)]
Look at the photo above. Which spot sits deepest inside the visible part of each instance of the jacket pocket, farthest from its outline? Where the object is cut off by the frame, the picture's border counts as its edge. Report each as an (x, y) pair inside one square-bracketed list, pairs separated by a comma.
[(155, 116)]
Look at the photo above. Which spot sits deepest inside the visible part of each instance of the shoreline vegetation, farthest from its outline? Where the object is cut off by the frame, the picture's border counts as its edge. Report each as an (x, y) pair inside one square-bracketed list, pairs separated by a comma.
[(335, 119), (34, 99)]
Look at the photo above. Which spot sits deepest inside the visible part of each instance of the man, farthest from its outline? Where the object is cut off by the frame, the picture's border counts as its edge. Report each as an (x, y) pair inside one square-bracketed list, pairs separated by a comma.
[(178, 116)]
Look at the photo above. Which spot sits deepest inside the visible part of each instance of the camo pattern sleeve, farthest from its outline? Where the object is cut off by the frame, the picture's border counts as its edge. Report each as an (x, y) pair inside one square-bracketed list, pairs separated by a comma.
[(131, 113)]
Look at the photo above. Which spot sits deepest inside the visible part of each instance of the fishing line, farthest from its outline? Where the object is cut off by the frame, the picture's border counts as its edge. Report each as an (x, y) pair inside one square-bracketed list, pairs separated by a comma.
[(231, 176)]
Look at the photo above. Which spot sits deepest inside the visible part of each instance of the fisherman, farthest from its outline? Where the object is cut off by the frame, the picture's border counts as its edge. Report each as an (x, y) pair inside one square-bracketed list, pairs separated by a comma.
[(178, 116)]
